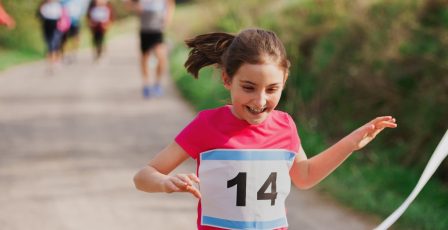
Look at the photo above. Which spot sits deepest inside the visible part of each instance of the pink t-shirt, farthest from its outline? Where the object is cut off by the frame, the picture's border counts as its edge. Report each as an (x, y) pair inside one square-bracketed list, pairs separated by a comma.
[(220, 129)]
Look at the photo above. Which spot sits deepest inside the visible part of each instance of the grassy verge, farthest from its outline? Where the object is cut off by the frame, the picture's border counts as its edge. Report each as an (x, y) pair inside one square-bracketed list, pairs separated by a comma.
[(10, 58)]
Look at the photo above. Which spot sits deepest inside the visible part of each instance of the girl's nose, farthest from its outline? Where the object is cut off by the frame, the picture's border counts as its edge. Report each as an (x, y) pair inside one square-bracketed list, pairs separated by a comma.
[(260, 100)]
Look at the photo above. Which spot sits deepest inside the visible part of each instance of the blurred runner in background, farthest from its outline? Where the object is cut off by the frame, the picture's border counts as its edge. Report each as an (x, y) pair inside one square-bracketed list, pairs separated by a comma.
[(50, 12), (70, 40), (100, 15), (154, 15)]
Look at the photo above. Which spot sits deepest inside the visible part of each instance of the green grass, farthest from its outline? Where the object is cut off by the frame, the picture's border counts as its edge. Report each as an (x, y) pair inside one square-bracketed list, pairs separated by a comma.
[(10, 58)]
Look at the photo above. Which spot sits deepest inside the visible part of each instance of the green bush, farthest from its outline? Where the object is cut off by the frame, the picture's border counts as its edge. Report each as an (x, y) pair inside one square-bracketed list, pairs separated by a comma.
[(205, 92), (26, 35)]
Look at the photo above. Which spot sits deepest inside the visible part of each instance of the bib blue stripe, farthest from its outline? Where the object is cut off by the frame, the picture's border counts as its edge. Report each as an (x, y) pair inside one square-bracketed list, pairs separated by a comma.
[(208, 220), (247, 155)]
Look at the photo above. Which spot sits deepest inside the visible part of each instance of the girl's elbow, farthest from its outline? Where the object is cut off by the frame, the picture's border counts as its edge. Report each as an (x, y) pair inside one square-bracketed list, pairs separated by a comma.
[(303, 185)]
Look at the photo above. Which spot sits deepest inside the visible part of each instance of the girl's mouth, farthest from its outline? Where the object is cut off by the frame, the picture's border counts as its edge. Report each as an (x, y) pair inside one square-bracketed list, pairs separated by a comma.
[(256, 111)]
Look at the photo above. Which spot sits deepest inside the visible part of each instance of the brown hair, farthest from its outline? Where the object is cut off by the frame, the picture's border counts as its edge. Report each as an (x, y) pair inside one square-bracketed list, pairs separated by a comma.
[(229, 52)]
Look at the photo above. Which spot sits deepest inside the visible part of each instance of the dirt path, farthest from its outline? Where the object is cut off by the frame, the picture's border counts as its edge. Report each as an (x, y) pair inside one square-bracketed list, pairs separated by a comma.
[(70, 144)]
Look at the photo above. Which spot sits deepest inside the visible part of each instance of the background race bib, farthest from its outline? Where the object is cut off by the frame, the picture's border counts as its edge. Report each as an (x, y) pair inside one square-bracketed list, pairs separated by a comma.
[(100, 14), (245, 189), (52, 10), (153, 5)]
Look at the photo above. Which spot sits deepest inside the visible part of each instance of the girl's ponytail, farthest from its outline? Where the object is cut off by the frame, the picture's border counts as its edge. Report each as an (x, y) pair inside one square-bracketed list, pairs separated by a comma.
[(206, 49)]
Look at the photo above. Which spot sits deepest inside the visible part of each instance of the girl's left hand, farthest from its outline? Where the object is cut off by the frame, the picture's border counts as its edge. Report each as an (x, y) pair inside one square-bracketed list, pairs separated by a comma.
[(366, 133)]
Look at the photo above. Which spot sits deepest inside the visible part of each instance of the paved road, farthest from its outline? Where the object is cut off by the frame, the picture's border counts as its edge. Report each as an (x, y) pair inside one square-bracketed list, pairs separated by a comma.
[(70, 144)]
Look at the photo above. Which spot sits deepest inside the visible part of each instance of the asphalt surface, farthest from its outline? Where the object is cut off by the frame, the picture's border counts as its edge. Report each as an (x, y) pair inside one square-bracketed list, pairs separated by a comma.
[(71, 142)]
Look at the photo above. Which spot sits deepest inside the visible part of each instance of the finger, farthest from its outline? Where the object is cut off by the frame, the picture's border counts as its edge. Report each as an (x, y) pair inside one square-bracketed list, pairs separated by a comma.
[(179, 182), (185, 179), (194, 178), (379, 119), (371, 130), (172, 187), (389, 124), (381, 126), (386, 124), (367, 129), (193, 190)]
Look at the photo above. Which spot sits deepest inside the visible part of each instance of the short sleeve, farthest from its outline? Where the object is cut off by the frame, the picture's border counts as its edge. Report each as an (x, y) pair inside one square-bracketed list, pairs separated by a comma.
[(295, 139), (190, 137)]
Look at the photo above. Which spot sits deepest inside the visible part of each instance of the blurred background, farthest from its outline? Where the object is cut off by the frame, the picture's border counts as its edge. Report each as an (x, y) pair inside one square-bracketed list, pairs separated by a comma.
[(351, 60)]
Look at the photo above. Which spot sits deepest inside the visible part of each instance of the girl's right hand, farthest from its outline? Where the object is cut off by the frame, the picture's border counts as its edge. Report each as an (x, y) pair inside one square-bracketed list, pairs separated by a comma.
[(182, 183)]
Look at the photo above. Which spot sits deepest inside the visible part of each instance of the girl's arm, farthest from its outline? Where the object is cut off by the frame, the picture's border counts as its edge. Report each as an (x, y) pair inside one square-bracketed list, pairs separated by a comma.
[(105, 25), (154, 177), (133, 5), (171, 5), (305, 173)]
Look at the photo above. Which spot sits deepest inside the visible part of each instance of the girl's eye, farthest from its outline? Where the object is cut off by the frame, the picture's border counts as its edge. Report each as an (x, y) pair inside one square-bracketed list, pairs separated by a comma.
[(248, 88), (272, 90)]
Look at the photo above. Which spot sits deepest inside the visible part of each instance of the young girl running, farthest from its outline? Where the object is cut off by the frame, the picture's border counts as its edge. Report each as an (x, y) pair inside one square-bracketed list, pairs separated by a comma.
[(247, 152)]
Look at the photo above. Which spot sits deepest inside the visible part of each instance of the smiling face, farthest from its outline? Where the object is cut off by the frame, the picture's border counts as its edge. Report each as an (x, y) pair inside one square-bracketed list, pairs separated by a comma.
[(255, 90)]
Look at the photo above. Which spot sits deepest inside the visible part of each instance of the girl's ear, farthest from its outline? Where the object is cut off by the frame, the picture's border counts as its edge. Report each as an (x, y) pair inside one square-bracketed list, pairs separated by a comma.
[(284, 80), (226, 80), (286, 77)]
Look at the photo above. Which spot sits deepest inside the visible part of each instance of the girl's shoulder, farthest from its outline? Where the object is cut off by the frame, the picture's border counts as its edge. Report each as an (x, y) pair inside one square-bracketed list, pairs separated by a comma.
[(212, 114), (281, 115), (282, 118)]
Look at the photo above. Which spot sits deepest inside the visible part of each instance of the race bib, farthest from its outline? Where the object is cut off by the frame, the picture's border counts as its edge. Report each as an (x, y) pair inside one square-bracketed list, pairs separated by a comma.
[(245, 189), (153, 5), (100, 14)]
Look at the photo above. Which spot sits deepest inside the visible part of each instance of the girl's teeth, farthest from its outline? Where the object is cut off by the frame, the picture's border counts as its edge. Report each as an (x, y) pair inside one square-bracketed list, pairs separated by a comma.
[(256, 110)]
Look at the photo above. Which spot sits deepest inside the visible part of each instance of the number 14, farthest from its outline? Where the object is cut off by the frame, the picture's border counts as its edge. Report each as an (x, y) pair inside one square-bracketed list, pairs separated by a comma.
[(240, 182)]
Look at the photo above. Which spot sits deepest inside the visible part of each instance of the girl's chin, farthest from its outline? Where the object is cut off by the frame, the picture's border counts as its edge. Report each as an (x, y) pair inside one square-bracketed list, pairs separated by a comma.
[(253, 119)]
